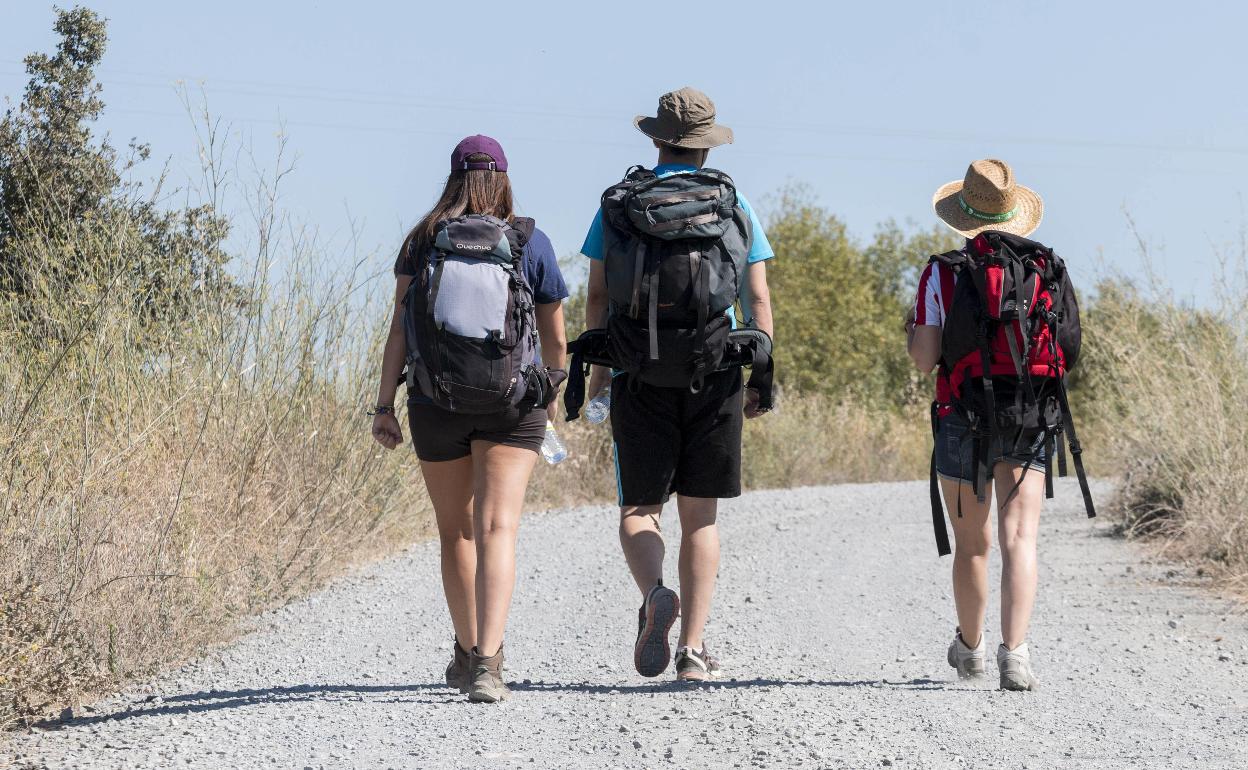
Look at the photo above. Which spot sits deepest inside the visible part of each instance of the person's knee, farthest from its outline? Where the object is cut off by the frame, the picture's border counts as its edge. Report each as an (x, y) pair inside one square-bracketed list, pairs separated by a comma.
[(1017, 541), (453, 537), (972, 544), (697, 513), (639, 518)]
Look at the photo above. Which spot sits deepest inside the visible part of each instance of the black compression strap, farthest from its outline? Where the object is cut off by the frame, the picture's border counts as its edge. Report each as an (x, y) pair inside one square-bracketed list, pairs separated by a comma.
[(1076, 450), (938, 511)]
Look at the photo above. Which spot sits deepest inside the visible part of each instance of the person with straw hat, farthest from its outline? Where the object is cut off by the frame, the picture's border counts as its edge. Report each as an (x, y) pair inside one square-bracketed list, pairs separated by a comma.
[(990, 208), (679, 436)]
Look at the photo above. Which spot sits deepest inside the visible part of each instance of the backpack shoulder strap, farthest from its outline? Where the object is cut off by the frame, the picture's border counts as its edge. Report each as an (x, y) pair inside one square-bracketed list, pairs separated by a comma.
[(954, 260), (519, 231)]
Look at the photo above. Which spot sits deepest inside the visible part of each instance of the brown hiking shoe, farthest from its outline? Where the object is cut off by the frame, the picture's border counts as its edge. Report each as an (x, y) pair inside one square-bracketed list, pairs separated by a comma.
[(485, 678), (457, 670)]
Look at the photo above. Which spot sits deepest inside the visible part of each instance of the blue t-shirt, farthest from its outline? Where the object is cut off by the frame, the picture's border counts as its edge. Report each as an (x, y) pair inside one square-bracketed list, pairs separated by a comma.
[(540, 265), (760, 247)]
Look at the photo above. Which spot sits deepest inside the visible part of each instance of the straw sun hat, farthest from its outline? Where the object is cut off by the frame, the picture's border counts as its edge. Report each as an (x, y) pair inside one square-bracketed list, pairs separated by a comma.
[(988, 199)]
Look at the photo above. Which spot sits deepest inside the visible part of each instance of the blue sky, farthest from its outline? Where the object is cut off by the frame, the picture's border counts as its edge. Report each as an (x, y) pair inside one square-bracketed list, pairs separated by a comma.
[(1103, 108)]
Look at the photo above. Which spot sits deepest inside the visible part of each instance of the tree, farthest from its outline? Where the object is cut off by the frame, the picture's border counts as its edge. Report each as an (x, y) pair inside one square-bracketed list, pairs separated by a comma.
[(839, 306), (71, 226)]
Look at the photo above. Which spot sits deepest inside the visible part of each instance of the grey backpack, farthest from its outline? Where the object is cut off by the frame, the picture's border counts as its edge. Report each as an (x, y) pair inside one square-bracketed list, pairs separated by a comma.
[(675, 250), (469, 318)]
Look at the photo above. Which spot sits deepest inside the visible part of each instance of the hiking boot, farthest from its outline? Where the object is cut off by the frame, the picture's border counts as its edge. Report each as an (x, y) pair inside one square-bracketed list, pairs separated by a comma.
[(457, 669), (658, 612), (1015, 668), (969, 661), (695, 665), (485, 678)]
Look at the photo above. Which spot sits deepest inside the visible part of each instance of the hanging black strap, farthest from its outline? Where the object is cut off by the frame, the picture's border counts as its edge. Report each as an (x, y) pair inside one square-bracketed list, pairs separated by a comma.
[(938, 511), (1061, 453), (1076, 450), (1048, 465)]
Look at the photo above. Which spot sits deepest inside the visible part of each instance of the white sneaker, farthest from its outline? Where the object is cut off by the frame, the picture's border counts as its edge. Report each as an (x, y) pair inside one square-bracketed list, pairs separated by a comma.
[(969, 661), (1015, 668)]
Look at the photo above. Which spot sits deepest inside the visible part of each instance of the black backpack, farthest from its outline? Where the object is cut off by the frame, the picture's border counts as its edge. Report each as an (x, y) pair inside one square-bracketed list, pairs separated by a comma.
[(1011, 334), (469, 319), (675, 250)]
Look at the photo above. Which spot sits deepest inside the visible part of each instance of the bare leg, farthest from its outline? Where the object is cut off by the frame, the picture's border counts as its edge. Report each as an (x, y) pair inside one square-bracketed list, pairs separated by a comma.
[(699, 565), (642, 543), (450, 489), (1018, 523), (972, 533), (500, 478)]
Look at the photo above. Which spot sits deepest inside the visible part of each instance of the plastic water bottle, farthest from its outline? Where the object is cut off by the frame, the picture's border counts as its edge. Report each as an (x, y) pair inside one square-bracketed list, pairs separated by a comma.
[(553, 449), (599, 407)]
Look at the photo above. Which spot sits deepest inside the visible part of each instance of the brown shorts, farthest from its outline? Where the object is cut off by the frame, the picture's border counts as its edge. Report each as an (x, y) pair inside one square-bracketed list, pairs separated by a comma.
[(439, 435)]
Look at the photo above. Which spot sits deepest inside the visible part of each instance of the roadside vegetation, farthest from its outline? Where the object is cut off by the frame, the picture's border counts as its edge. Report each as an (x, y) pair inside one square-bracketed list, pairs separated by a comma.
[(182, 440)]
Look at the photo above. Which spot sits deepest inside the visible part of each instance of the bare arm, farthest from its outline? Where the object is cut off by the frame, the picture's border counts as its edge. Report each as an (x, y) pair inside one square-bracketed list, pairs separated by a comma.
[(923, 344), (756, 304), (554, 342), (386, 426), (596, 318), (756, 299)]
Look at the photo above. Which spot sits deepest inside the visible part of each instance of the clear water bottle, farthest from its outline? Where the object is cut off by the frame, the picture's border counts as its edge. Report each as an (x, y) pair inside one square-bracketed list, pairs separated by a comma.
[(553, 449), (599, 407)]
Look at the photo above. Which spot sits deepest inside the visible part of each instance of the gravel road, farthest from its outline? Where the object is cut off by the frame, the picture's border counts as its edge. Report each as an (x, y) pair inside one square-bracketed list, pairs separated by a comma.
[(833, 648)]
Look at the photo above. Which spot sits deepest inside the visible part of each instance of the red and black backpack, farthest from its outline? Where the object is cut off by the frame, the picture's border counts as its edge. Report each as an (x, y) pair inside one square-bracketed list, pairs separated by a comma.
[(1010, 336)]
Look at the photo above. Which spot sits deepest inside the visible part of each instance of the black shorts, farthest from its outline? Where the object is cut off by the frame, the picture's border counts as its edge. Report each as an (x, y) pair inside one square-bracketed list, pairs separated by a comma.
[(671, 440), (439, 435)]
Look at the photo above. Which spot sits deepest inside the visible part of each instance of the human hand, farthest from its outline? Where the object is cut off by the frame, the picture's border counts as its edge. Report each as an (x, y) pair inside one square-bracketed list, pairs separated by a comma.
[(386, 431)]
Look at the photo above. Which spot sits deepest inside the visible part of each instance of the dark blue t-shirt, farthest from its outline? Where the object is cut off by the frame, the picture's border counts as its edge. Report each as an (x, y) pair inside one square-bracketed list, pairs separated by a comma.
[(540, 265)]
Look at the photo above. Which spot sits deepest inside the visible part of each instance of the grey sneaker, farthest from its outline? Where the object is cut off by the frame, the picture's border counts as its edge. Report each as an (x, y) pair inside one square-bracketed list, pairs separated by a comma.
[(1015, 668), (969, 661), (457, 669), (696, 665), (485, 683), (658, 612)]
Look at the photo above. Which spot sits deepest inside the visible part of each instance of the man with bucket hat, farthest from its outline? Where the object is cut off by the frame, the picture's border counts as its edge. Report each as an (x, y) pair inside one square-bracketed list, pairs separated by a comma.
[(672, 250)]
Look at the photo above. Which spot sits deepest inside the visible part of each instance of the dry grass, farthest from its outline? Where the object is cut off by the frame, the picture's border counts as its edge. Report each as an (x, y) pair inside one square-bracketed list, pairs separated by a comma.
[(1165, 389), (155, 489)]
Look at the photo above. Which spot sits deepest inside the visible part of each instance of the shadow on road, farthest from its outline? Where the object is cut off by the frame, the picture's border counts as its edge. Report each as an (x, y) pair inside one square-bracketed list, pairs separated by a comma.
[(217, 700)]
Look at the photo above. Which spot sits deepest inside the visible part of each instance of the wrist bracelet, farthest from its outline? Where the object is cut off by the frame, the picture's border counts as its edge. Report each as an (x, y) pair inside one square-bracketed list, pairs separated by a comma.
[(380, 410)]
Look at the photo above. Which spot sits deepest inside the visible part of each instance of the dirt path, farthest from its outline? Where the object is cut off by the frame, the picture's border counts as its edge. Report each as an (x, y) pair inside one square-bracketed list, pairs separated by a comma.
[(833, 649)]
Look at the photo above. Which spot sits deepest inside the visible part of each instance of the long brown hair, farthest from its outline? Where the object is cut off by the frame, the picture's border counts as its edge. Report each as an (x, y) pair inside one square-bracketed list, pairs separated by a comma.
[(475, 191)]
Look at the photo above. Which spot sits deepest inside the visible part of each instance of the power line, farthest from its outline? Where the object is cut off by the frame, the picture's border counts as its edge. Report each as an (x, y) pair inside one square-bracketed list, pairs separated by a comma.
[(378, 98)]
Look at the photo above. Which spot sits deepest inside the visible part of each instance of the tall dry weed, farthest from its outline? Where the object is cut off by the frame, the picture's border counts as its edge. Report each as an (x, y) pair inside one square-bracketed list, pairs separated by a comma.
[(1166, 389), (161, 480)]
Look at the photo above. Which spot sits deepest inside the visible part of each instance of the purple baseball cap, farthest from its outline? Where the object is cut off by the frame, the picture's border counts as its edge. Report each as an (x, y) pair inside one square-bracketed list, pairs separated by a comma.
[(478, 144)]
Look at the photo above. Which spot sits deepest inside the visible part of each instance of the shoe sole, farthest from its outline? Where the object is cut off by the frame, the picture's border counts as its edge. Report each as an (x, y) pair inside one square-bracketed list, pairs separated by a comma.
[(488, 696), (695, 676), (652, 651)]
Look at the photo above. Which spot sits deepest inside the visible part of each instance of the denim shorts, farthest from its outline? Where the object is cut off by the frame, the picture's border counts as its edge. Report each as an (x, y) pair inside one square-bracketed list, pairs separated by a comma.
[(955, 450)]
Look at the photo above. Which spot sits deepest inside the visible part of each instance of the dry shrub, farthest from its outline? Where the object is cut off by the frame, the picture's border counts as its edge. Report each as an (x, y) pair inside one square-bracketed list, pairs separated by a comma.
[(162, 480), (1165, 387)]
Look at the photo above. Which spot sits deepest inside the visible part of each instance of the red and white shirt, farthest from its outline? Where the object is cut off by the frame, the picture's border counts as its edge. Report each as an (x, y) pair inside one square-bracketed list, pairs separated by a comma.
[(931, 307)]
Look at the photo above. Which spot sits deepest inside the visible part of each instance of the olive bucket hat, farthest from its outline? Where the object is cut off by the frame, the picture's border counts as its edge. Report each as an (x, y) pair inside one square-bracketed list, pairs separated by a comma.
[(686, 118), (988, 198)]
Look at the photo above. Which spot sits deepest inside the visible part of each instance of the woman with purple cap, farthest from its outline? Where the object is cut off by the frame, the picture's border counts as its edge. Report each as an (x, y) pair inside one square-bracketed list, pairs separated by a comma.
[(478, 297)]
